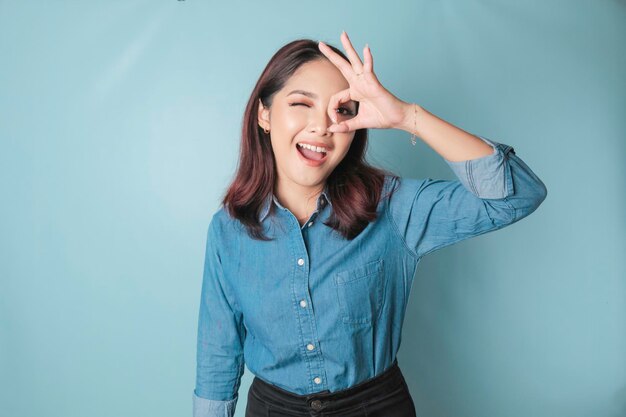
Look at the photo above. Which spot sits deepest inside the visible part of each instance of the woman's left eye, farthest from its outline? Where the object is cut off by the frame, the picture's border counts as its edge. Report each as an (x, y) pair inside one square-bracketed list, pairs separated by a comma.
[(348, 111)]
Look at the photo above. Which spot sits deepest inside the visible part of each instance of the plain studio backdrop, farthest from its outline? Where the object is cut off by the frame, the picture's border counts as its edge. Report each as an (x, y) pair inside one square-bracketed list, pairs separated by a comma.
[(119, 131)]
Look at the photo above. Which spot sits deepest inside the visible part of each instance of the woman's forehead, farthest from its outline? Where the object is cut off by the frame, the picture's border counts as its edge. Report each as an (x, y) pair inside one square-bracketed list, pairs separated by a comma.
[(316, 66), (318, 78)]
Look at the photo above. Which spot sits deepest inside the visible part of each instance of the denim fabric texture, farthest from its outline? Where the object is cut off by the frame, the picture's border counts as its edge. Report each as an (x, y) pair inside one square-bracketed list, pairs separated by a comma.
[(311, 311)]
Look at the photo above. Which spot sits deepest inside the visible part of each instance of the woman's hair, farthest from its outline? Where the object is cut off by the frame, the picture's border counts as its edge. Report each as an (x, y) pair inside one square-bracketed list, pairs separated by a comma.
[(354, 186)]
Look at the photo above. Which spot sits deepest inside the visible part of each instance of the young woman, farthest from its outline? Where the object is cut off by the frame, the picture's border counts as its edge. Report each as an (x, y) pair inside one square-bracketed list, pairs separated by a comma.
[(310, 261)]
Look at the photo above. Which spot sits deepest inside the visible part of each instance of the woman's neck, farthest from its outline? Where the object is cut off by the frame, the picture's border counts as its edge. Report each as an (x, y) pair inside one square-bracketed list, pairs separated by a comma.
[(301, 201)]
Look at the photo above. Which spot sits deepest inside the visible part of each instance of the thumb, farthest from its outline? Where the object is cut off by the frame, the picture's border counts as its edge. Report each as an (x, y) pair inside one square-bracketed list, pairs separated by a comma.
[(345, 126), (339, 128)]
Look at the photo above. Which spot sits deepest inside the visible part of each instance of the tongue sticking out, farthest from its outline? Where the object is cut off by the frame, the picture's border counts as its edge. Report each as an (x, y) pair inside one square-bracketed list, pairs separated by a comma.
[(311, 154)]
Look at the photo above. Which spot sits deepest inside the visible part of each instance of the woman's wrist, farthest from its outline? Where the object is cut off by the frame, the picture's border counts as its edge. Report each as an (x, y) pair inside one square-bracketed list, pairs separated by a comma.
[(409, 122)]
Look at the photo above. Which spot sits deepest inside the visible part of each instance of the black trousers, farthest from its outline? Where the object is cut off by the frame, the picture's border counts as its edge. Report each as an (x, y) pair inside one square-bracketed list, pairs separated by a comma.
[(386, 395)]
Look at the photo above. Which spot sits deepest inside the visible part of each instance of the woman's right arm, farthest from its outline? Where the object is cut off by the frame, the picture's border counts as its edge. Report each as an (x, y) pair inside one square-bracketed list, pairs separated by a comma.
[(220, 361)]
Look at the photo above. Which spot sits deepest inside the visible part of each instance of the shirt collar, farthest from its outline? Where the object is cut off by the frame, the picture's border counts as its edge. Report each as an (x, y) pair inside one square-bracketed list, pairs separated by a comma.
[(272, 198)]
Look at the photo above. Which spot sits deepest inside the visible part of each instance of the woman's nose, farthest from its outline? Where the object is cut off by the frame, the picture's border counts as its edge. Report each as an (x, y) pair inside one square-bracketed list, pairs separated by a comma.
[(321, 122)]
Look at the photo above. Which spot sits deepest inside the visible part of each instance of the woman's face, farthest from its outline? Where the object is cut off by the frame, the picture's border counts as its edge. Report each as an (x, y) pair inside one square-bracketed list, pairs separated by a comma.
[(303, 118)]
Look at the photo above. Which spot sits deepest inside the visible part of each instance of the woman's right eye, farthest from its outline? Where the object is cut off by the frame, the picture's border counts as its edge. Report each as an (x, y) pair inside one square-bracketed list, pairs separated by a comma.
[(298, 104)]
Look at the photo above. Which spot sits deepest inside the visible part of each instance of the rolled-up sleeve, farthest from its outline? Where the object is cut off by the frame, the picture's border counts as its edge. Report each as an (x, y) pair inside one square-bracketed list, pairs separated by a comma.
[(221, 334), (490, 193), (204, 408), (485, 177)]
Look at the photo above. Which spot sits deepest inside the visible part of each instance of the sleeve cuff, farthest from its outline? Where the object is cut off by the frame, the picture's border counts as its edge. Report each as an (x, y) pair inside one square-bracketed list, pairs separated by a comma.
[(488, 176), (203, 407)]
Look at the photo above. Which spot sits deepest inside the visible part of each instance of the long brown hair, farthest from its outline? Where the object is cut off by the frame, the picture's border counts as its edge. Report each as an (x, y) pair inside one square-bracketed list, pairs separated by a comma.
[(354, 186)]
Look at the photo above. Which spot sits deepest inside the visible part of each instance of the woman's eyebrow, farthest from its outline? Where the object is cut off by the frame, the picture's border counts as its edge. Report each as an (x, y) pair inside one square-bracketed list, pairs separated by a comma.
[(304, 93), (308, 94)]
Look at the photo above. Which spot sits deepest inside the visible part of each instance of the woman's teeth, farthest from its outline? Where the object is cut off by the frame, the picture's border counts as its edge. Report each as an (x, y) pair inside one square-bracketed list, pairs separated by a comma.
[(313, 148)]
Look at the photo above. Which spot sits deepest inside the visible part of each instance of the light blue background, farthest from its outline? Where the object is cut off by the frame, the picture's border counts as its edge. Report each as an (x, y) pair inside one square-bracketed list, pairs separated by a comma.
[(119, 130)]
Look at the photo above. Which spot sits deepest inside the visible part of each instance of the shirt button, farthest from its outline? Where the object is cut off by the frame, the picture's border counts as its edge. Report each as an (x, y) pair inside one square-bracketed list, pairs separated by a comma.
[(302, 303), (310, 346), (300, 261), (310, 224), (317, 380)]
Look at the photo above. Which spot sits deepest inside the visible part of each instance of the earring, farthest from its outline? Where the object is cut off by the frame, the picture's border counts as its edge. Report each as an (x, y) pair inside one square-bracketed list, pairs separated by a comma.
[(266, 131)]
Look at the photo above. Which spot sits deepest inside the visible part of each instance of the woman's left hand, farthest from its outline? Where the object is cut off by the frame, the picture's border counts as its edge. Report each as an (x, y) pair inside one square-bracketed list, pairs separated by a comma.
[(378, 108)]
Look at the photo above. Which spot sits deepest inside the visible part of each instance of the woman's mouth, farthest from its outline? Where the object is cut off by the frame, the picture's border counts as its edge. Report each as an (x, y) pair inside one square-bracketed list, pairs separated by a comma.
[(311, 157)]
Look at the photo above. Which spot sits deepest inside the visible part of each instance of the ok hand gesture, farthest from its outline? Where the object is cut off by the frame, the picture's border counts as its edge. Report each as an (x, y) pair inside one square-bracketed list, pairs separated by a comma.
[(378, 108)]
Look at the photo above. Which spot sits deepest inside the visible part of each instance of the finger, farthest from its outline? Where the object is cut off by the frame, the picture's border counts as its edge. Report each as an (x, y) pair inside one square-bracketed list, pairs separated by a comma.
[(354, 58), (337, 100), (339, 128), (369, 60), (343, 65), (344, 127)]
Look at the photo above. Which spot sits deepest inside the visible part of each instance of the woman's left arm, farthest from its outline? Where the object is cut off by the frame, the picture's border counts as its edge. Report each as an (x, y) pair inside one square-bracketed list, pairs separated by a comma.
[(482, 165), (451, 142), (498, 187), (491, 192)]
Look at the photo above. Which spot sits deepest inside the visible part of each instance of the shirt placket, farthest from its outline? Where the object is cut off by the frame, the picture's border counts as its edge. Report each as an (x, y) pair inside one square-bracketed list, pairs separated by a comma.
[(306, 319)]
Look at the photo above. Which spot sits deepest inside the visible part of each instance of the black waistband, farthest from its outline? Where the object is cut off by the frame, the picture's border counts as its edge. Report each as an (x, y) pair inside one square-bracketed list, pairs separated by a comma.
[(388, 382)]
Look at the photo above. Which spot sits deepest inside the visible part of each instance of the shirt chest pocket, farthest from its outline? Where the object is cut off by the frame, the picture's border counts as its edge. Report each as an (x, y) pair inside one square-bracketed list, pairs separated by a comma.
[(360, 292)]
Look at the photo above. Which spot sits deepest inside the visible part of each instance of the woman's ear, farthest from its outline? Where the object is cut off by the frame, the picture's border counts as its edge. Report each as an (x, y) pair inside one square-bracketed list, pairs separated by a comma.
[(263, 116)]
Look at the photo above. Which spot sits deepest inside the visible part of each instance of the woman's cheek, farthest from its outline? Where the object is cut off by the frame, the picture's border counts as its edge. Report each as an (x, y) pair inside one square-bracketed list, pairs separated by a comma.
[(291, 123)]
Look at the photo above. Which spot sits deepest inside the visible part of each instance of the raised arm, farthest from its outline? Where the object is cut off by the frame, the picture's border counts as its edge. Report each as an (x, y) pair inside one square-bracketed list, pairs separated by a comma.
[(491, 192), (495, 187)]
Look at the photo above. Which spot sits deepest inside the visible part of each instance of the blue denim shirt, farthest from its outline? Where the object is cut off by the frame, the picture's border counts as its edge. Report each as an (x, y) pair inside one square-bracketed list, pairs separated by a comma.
[(312, 311)]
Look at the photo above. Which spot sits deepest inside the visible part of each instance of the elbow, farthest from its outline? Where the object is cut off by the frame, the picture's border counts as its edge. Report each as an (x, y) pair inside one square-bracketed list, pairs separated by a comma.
[(541, 192), (534, 197), (544, 192)]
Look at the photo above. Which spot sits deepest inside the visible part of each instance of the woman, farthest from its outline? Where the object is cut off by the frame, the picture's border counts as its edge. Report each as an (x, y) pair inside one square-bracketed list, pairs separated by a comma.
[(310, 262)]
